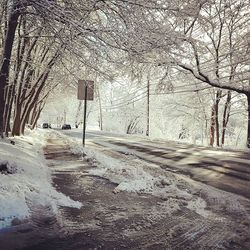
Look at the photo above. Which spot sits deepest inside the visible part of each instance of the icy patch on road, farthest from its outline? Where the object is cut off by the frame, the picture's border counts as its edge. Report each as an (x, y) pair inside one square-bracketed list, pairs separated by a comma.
[(25, 178)]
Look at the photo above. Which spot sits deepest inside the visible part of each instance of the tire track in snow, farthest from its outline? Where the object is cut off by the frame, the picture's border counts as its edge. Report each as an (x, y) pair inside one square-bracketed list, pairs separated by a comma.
[(210, 232)]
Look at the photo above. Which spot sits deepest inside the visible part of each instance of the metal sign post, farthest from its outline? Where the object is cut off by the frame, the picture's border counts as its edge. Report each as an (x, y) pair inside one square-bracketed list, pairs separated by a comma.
[(85, 92), (85, 112)]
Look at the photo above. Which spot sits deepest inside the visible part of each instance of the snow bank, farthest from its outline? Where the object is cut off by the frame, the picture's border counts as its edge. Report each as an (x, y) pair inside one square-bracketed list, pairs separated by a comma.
[(130, 173), (134, 175), (25, 179)]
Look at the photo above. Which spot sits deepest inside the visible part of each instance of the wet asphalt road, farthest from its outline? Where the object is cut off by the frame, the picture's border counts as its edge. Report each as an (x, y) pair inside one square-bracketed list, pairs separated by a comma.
[(223, 169), (124, 220)]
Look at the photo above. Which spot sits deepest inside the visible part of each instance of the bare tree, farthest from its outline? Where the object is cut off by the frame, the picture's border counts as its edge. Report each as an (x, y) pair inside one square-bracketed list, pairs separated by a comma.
[(208, 39)]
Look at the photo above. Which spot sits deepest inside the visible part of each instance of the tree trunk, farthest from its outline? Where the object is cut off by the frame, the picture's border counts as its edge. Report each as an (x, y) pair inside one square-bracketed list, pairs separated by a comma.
[(217, 125), (34, 113), (212, 127), (8, 108), (35, 97), (37, 115), (100, 109), (225, 117), (17, 121), (25, 106), (6, 55), (248, 121)]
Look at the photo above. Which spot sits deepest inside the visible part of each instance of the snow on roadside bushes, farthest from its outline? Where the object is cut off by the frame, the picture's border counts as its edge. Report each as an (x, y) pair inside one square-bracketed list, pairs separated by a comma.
[(25, 179)]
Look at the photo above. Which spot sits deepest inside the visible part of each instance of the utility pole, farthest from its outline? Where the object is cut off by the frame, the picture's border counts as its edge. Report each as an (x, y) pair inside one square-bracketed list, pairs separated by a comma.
[(100, 107), (148, 95)]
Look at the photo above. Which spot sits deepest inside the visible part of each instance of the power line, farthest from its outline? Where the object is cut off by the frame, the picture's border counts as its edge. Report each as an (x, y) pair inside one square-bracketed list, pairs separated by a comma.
[(176, 87), (120, 105), (127, 101)]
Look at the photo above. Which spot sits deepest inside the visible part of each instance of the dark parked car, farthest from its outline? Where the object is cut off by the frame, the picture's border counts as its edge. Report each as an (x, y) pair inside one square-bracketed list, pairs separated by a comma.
[(66, 126), (45, 125)]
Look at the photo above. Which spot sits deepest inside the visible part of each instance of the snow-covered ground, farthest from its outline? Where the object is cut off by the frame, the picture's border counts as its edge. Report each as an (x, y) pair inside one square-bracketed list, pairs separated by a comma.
[(25, 179)]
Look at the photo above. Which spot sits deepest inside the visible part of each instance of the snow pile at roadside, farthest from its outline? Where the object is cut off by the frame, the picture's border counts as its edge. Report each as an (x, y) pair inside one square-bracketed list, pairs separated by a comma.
[(25, 179), (132, 175)]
